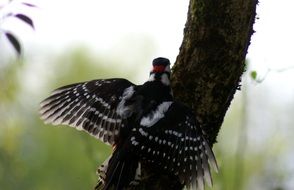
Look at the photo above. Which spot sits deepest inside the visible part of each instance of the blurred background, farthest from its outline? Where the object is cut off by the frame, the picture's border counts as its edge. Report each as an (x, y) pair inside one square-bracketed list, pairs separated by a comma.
[(82, 40)]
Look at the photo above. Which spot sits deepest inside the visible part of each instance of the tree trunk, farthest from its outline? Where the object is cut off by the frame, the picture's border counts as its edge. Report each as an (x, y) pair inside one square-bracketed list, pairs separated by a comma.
[(209, 66), (212, 58)]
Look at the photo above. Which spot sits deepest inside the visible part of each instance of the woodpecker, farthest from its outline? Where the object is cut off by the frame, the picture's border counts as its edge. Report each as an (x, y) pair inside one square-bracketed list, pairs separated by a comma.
[(143, 124)]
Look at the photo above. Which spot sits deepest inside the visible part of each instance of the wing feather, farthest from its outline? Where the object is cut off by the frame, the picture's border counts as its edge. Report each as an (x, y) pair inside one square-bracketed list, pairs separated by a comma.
[(89, 106)]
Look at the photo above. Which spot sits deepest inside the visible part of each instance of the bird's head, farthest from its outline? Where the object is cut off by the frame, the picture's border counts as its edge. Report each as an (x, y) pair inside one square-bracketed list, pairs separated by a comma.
[(160, 70)]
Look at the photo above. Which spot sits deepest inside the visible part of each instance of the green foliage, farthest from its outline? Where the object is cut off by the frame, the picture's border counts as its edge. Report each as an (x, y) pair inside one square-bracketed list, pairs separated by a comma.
[(9, 82), (253, 75)]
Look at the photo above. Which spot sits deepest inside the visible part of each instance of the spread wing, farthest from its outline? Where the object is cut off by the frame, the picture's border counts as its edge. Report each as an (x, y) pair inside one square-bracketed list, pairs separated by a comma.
[(176, 143), (89, 106)]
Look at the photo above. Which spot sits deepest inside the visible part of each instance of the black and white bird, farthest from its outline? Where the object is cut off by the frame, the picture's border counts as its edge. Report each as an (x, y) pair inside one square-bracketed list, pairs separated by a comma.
[(142, 123)]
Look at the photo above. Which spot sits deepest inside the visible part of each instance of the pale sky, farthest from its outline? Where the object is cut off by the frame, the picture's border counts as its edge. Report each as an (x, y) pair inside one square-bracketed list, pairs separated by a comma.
[(102, 24)]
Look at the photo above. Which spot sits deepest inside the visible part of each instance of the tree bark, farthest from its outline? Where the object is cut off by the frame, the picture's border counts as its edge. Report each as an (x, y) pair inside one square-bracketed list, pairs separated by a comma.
[(212, 58), (208, 68)]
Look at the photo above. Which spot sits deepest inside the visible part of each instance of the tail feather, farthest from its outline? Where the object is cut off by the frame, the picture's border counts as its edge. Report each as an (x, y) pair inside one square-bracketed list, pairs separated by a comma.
[(118, 172), (109, 182)]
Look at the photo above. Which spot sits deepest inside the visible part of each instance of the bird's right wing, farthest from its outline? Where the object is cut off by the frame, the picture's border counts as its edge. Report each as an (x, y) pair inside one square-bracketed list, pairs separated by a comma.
[(175, 142), (90, 106)]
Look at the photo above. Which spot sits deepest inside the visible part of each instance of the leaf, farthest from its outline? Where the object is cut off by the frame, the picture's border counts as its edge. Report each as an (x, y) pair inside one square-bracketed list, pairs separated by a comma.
[(253, 75), (7, 15), (26, 19), (28, 4), (12, 39)]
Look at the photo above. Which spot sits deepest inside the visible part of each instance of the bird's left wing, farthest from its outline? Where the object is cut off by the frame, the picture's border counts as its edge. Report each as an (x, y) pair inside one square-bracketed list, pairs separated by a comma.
[(89, 106)]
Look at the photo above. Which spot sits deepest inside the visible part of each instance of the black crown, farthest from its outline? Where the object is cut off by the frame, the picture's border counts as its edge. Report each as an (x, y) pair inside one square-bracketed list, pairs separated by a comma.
[(160, 61)]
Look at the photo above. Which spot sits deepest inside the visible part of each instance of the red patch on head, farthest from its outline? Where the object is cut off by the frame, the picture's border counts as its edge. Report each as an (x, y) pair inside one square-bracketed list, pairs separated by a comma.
[(158, 68)]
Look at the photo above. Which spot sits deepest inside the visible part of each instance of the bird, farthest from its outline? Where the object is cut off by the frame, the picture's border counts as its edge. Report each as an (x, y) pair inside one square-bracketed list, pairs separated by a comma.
[(143, 123)]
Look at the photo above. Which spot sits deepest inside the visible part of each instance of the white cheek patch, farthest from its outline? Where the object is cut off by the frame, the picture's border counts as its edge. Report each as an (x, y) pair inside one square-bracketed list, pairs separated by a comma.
[(155, 115), (152, 77), (165, 80), (167, 69)]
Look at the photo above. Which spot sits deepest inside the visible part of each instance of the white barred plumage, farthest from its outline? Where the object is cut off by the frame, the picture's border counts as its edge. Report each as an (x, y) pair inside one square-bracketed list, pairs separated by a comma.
[(142, 122), (87, 106)]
